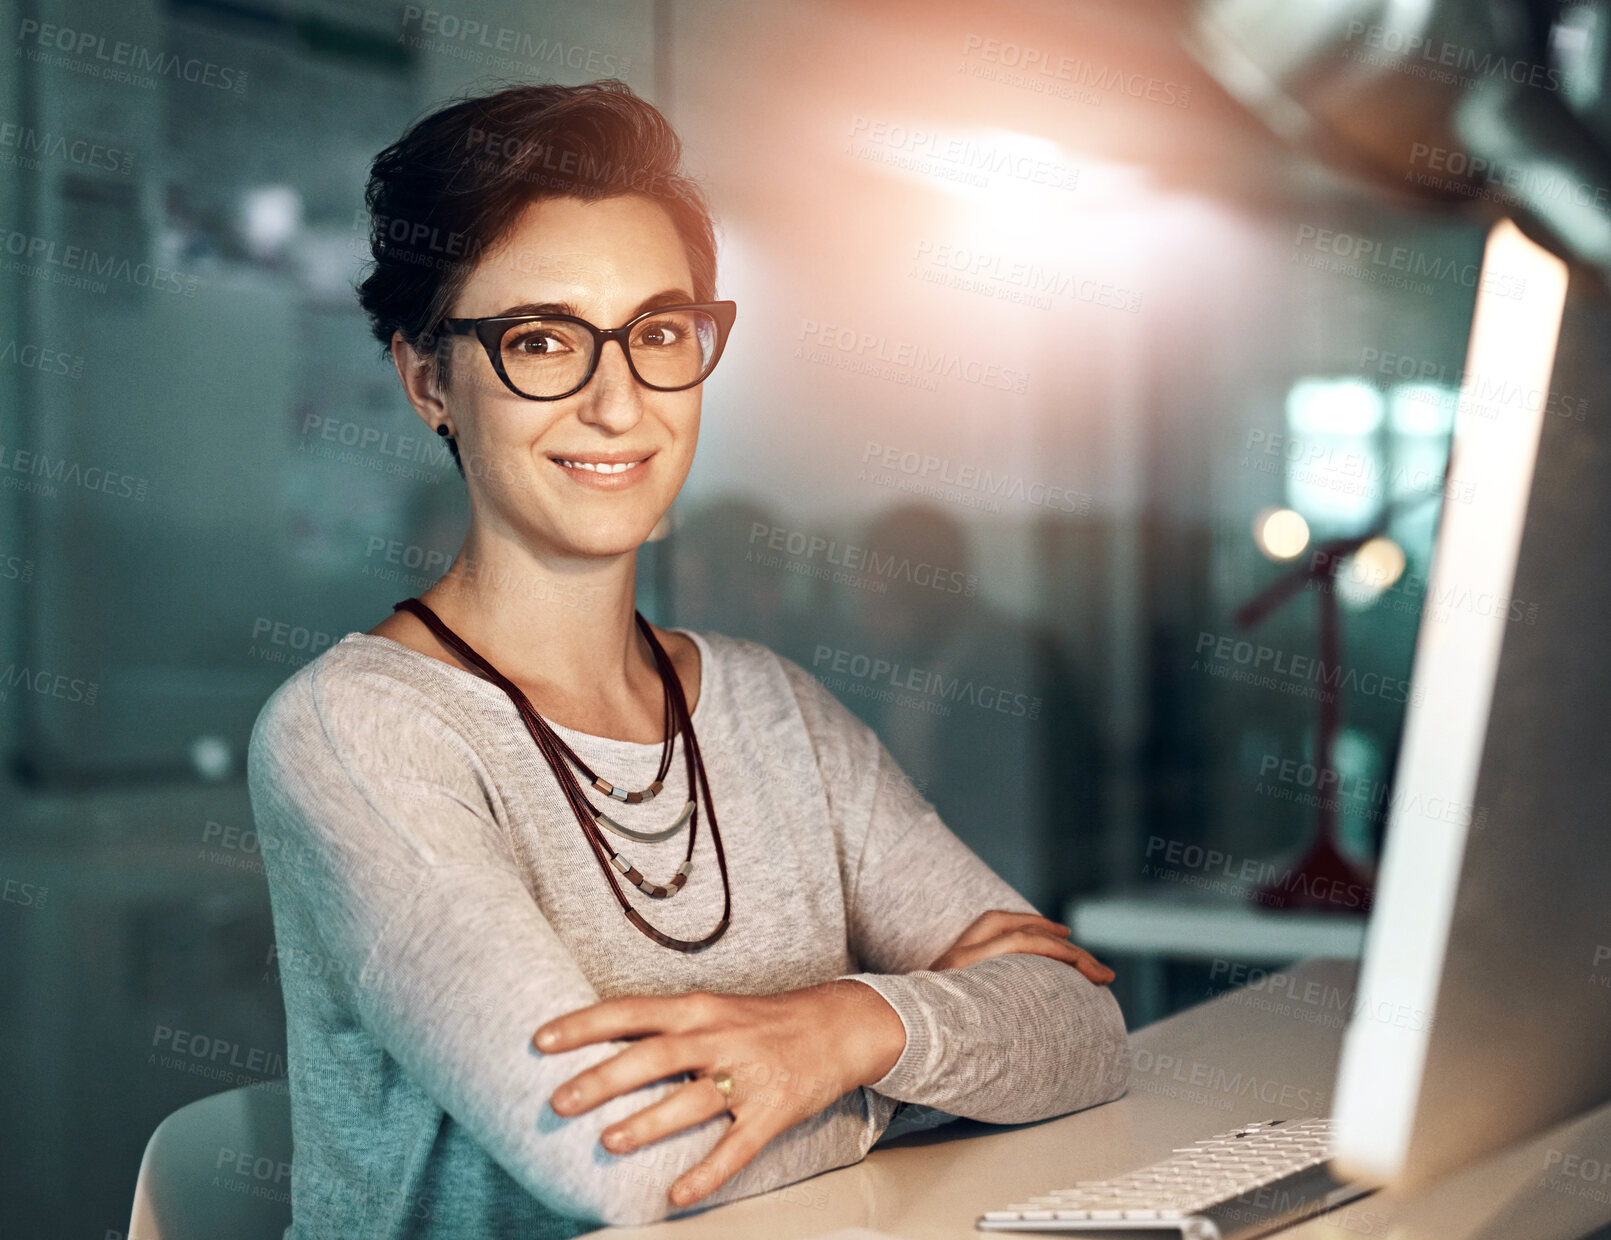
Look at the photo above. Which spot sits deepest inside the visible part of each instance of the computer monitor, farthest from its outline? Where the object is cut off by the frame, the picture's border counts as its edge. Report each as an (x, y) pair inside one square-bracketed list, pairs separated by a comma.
[(1483, 1012)]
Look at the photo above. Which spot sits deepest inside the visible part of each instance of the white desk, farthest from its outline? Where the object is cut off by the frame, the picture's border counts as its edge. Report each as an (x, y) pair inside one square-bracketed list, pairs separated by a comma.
[(1197, 1073)]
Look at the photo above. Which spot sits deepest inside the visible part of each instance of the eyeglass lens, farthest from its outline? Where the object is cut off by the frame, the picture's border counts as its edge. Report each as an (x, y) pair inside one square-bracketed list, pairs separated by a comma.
[(550, 357)]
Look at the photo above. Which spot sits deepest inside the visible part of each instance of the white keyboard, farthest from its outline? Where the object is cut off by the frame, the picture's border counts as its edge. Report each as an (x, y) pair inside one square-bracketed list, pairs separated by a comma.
[(1239, 1183)]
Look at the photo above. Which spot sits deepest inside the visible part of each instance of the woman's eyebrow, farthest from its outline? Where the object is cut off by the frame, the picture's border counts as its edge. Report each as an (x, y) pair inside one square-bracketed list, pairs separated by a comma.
[(666, 297)]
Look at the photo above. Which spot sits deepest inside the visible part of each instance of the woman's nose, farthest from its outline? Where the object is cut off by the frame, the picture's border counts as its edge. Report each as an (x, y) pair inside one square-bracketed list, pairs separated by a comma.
[(614, 397)]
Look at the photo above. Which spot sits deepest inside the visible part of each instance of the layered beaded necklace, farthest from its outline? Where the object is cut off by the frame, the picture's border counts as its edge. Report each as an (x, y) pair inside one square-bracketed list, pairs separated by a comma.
[(558, 754)]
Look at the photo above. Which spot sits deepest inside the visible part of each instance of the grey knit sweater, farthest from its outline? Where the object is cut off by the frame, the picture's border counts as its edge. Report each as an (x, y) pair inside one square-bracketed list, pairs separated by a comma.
[(435, 901)]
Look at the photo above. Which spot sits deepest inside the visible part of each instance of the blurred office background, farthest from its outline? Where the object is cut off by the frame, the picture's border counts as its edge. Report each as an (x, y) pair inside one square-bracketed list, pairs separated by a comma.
[(1049, 357)]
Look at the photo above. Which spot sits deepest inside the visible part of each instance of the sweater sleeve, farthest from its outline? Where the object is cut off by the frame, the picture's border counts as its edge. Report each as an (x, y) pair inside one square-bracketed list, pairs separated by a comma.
[(385, 843), (1007, 1040)]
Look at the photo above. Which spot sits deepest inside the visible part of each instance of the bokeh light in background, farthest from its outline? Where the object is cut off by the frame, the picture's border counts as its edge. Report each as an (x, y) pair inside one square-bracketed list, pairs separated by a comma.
[(270, 218), (1280, 533), (1335, 462), (1370, 571)]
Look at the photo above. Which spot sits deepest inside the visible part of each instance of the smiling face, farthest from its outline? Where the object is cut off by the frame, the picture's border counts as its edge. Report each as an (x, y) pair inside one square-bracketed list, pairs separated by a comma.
[(526, 461)]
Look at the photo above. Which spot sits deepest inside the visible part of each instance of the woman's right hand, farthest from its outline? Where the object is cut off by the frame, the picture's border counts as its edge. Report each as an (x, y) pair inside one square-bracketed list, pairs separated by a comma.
[(999, 933)]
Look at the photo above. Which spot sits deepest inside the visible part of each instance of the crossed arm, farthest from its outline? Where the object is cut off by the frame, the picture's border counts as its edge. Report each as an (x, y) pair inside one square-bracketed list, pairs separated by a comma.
[(777, 1047)]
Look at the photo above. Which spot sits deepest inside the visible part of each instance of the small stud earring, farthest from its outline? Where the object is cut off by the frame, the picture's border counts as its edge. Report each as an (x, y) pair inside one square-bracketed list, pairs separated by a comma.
[(444, 432)]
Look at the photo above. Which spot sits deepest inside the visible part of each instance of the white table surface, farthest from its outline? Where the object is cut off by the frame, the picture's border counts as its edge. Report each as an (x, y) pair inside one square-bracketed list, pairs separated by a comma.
[(1241, 1057)]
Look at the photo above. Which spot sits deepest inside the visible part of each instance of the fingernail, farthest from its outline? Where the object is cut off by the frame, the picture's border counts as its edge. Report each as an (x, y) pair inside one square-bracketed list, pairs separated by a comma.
[(546, 1039)]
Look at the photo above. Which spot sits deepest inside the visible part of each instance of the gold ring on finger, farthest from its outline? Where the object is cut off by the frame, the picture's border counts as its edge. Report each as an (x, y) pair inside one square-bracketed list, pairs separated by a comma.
[(724, 1082)]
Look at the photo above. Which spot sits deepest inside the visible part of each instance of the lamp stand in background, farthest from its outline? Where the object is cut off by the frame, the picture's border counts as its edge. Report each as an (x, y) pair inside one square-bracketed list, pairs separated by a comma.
[(1323, 869)]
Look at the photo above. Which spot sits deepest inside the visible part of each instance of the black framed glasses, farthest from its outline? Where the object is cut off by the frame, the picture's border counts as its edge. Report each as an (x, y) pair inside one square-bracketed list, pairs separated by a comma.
[(552, 356)]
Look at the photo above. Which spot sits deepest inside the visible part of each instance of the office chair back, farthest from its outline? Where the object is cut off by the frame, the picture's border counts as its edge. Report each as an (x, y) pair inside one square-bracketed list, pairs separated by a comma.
[(218, 1167)]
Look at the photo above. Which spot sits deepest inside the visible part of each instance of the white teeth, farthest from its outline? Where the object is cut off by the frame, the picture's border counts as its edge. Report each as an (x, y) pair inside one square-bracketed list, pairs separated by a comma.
[(604, 468)]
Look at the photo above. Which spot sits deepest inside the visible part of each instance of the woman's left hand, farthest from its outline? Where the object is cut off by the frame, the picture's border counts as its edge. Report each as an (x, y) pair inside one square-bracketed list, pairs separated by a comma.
[(790, 1055)]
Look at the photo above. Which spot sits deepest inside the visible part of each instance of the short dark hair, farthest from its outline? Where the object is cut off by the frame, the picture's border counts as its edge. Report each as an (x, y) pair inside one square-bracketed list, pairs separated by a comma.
[(452, 186)]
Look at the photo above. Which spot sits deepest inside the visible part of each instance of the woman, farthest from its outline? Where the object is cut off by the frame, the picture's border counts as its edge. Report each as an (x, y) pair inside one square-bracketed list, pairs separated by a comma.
[(489, 1033)]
